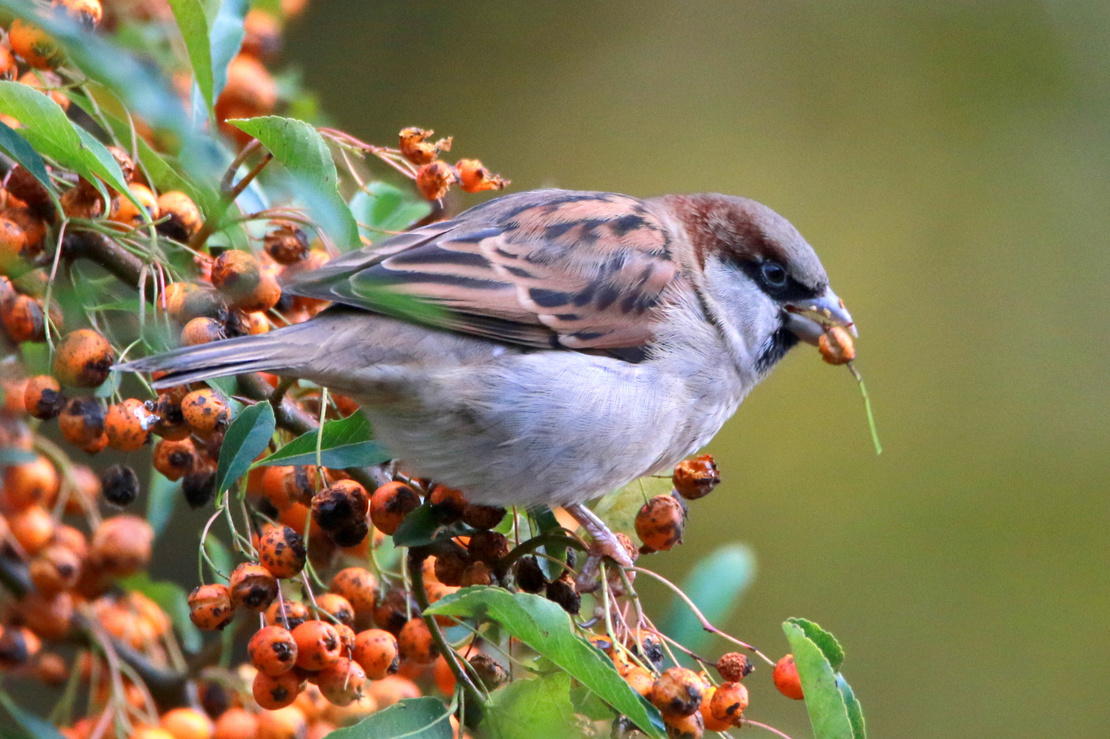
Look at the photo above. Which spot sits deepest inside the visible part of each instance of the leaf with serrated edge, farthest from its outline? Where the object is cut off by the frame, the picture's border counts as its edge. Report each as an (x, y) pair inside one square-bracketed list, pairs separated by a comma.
[(855, 711), (346, 443), (827, 712), (538, 708), (14, 145), (831, 648), (246, 438), (412, 718), (547, 629)]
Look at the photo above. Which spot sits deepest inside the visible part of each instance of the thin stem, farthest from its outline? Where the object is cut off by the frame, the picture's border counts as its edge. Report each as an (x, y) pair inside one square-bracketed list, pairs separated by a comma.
[(765, 727)]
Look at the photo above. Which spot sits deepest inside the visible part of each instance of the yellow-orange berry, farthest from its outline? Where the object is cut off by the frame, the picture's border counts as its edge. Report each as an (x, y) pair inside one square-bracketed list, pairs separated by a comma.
[(474, 177), (435, 179), (43, 397), (8, 67), (341, 682), (689, 726), (182, 216), (210, 607), (275, 691), (121, 545), (678, 692), (836, 346), (786, 678), (175, 459), (390, 504), (128, 214), (23, 319), (284, 723), (202, 330), (32, 528), (281, 551), (128, 425), (55, 569), (415, 643), (36, 46), (708, 720), (30, 483), (83, 358), (318, 644), (376, 650), (660, 522), (13, 245), (640, 680), (206, 411), (186, 723), (695, 478), (729, 702), (236, 723), (252, 587), (417, 149), (359, 586)]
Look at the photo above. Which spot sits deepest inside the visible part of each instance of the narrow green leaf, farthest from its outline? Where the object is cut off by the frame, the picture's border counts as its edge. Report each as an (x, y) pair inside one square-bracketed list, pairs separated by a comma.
[(828, 644), (426, 525), (160, 501), (825, 704), (381, 208), (302, 150), (193, 24), (14, 145), (546, 628), (172, 599), (412, 718), (347, 442), (715, 584), (245, 439), (226, 38), (31, 725), (538, 708), (855, 711)]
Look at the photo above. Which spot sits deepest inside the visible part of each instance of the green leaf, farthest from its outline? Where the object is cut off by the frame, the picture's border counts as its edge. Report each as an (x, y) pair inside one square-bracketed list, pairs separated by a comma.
[(855, 711), (715, 584), (12, 456), (172, 599), (193, 24), (828, 644), (14, 145), (619, 508), (412, 718), (160, 501), (302, 150), (828, 713), (539, 708), (245, 439), (29, 724), (547, 629), (346, 443), (381, 208), (226, 39), (426, 525)]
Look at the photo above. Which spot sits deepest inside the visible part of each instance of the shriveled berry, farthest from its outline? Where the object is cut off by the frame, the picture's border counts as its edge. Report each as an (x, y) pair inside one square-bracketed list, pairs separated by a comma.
[(252, 587), (786, 678), (529, 576), (729, 702), (199, 488), (733, 667), (318, 644), (474, 177), (678, 692), (450, 563), (128, 425), (435, 179), (82, 421), (183, 217), (448, 504), (695, 478), (83, 358), (563, 593), (417, 149), (483, 516), (377, 651), (120, 485), (281, 551), (210, 607), (836, 346), (341, 682), (286, 242), (43, 397), (206, 411), (272, 650), (489, 547), (415, 643), (660, 522), (390, 504), (275, 691)]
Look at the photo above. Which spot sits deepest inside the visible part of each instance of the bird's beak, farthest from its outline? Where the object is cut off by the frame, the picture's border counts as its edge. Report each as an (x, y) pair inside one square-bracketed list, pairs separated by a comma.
[(808, 319)]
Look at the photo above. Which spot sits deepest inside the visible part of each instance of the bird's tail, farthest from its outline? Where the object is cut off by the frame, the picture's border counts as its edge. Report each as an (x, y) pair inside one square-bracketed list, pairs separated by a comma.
[(280, 351)]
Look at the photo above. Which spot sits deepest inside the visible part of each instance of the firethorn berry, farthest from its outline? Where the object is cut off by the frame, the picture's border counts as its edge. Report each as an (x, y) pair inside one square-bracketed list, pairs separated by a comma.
[(451, 563), (435, 179), (55, 569), (199, 487), (252, 587), (733, 667), (836, 346), (284, 723), (417, 149), (415, 643), (183, 217), (43, 397), (250, 90), (390, 611), (202, 330), (678, 692), (275, 691), (684, 727), (359, 587), (340, 505), (318, 644), (17, 646), (86, 12), (175, 459), (529, 576), (729, 702), (336, 606), (83, 358), (82, 421), (448, 503), (390, 504), (287, 613), (23, 319), (286, 242), (8, 67), (128, 214), (128, 425), (660, 522), (475, 178), (121, 545), (695, 478), (262, 37), (236, 723), (640, 680), (13, 244), (37, 48), (28, 484), (786, 678), (210, 607), (281, 551), (206, 411), (120, 485), (482, 516), (377, 652), (342, 681), (710, 722), (186, 723), (236, 271), (489, 547)]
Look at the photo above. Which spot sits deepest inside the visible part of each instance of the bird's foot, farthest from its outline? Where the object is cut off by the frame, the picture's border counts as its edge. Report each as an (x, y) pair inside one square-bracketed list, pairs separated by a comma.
[(605, 545)]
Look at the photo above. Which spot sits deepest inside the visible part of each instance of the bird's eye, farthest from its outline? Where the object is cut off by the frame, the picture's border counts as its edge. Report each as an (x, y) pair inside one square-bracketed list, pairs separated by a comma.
[(774, 274)]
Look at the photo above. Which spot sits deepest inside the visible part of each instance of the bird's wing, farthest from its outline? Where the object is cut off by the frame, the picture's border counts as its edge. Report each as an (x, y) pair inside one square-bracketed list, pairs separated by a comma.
[(546, 268)]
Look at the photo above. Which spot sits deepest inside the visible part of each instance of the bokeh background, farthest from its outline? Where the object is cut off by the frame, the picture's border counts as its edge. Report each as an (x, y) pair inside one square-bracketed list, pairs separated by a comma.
[(950, 161)]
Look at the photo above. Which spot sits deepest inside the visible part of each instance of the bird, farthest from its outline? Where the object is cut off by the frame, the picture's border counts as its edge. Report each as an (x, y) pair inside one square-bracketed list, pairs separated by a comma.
[(547, 347)]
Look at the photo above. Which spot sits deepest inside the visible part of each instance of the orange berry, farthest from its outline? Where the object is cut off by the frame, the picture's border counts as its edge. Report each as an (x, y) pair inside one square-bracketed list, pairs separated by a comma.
[(695, 478), (183, 216), (210, 607), (82, 421), (318, 644), (202, 330), (187, 723), (17, 646), (30, 483), (435, 179), (377, 652), (275, 691), (359, 586), (262, 37), (415, 643), (8, 67), (786, 678), (678, 692), (284, 723), (49, 616), (127, 214), (121, 545), (836, 346), (728, 702), (236, 723), (281, 551), (390, 504), (86, 12), (341, 682), (43, 397), (128, 425), (660, 522), (417, 149), (340, 510), (286, 242), (206, 411), (475, 178), (82, 359), (640, 680), (13, 244), (38, 48), (287, 613), (175, 459), (684, 727), (32, 527), (149, 732), (236, 272), (55, 569), (252, 587), (23, 319)]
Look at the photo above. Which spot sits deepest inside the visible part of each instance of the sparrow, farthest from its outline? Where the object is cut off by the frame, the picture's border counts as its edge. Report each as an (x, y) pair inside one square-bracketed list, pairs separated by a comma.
[(566, 344)]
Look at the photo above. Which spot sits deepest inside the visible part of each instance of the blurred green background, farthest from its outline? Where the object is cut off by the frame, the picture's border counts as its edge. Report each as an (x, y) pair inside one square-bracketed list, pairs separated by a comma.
[(950, 161)]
